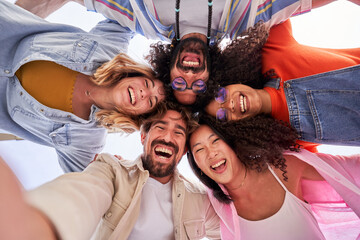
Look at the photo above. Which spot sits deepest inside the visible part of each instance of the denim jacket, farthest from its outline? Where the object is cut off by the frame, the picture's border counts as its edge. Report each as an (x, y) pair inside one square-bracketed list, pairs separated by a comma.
[(325, 108), (25, 37)]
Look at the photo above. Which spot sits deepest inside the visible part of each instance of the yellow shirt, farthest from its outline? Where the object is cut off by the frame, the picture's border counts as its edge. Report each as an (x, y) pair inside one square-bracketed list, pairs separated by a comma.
[(49, 83)]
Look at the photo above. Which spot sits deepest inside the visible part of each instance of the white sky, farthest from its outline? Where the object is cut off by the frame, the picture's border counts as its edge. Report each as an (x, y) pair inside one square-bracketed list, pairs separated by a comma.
[(334, 26)]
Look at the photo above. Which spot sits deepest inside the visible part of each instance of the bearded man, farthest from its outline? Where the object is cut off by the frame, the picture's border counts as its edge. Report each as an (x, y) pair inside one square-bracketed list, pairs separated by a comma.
[(116, 198)]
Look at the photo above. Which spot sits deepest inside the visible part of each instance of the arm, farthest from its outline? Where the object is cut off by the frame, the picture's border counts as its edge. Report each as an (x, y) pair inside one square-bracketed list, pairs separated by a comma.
[(17, 219), (320, 3), (88, 194), (43, 8)]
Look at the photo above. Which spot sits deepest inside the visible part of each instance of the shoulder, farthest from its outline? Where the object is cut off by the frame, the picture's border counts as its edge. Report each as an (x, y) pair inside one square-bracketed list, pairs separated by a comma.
[(116, 163), (191, 186)]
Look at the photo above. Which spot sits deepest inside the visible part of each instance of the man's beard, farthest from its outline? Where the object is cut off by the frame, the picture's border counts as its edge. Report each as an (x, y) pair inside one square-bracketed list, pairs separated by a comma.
[(191, 45), (157, 169)]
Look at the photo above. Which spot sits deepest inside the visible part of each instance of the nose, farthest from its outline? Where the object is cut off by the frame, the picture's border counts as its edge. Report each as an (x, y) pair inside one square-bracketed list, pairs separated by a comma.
[(229, 105), (212, 153), (144, 93), (167, 136)]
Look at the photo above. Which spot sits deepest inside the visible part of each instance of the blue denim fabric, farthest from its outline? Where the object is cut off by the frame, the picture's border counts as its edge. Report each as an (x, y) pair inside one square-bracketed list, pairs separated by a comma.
[(25, 37), (325, 108)]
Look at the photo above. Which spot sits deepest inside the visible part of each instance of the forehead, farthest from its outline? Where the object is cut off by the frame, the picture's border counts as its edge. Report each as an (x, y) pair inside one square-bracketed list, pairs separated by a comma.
[(201, 134), (172, 118)]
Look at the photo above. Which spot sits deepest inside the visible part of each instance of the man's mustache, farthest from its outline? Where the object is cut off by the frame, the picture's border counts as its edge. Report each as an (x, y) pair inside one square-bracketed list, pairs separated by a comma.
[(170, 144)]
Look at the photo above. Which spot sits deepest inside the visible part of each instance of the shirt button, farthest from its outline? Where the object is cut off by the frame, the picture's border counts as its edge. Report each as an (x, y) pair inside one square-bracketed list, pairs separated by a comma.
[(21, 93), (41, 110), (53, 135), (109, 214), (286, 85), (68, 116), (7, 71), (79, 44)]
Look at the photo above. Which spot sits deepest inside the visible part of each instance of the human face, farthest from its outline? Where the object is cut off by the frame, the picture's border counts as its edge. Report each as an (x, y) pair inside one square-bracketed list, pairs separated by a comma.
[(190, 62), (235, 102), (213, 156), (137, 95), (164, 146)]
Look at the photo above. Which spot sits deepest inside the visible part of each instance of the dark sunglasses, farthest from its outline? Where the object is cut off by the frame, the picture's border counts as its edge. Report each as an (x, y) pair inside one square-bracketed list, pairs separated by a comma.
[(221, 114), (179, 84)]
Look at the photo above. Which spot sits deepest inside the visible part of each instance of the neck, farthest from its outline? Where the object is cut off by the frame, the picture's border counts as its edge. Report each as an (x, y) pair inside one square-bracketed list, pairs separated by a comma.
[(266, 101), (162, 180)]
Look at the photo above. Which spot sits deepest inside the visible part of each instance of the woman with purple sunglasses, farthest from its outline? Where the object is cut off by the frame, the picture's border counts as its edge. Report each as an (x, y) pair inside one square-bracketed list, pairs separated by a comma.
[(316, 90)]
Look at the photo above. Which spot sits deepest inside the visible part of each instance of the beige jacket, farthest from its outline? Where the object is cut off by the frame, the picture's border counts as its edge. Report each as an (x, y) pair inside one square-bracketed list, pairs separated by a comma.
[(105, 199)]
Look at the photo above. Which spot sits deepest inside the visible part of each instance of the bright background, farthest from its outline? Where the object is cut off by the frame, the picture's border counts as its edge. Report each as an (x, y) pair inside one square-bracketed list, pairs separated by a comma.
[(335, 26)]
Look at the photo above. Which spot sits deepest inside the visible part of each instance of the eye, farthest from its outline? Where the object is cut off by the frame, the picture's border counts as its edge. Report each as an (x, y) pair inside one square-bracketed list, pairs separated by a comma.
[(199, 150), (216, 140), (179, 133), (151, 103), (146, 83), (159, 127), (179, 81)]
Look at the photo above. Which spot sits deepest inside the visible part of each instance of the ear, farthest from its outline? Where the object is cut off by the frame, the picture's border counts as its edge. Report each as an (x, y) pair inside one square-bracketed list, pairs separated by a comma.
[(142, 137)]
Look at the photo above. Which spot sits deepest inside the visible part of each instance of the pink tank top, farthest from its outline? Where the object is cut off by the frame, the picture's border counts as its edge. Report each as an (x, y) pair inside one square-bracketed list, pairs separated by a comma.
[(293, 221)]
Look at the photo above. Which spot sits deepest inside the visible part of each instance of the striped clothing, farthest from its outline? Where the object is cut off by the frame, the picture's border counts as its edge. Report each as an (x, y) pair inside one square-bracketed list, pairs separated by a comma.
[(142, 16)]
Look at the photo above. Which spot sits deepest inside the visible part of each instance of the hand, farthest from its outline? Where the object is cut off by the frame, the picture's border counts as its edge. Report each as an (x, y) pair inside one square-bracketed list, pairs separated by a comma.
[(43, 8)]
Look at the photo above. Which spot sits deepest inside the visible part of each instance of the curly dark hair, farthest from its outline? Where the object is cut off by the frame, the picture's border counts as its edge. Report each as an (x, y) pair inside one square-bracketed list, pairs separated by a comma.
[(160, 57), (256, 141), (238, 62)]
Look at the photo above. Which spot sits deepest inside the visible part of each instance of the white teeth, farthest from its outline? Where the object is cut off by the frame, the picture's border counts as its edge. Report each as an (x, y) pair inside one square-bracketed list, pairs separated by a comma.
[(164, 150), (189, 63), (132, 95), (218, 164), (242, 103)]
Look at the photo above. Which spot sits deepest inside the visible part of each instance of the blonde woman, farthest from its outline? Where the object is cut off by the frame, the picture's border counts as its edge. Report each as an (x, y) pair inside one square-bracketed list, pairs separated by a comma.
[(59, 84)]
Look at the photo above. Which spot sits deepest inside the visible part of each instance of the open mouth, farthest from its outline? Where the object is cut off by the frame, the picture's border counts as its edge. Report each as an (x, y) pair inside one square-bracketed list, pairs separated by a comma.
[(163, 152), (132, 95), (190, 60), (243, 103), (219, 166)]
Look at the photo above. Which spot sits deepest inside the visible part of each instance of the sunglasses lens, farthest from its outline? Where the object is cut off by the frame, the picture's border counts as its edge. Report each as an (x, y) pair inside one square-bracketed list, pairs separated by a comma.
[(221, 115), (178, 84), (199, 86), (221, 95)]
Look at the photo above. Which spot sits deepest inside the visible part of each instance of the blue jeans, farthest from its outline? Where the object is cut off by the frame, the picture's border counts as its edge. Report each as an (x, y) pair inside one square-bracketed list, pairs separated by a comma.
[(325, 108)]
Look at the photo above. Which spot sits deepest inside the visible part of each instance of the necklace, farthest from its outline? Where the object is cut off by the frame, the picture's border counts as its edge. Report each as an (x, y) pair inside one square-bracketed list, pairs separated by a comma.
[(177, 14), (242, 182)]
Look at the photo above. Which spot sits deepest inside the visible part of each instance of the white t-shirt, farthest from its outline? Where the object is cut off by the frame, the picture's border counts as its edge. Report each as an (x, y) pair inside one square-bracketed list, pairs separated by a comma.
[(198, 10), (156, 213), (293, 221)]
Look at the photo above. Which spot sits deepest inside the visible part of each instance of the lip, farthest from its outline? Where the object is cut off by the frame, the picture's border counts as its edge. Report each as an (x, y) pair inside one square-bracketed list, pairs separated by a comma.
[(189, 59), (132, 95), (243, 103), (163, 148), (221, 168)]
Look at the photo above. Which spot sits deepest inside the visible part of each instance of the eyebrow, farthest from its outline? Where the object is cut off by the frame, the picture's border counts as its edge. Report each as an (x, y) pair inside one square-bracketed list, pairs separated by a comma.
[(211, 135)]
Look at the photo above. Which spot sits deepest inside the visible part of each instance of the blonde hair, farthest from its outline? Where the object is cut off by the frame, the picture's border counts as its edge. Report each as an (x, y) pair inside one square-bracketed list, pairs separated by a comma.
[(109, 74)]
